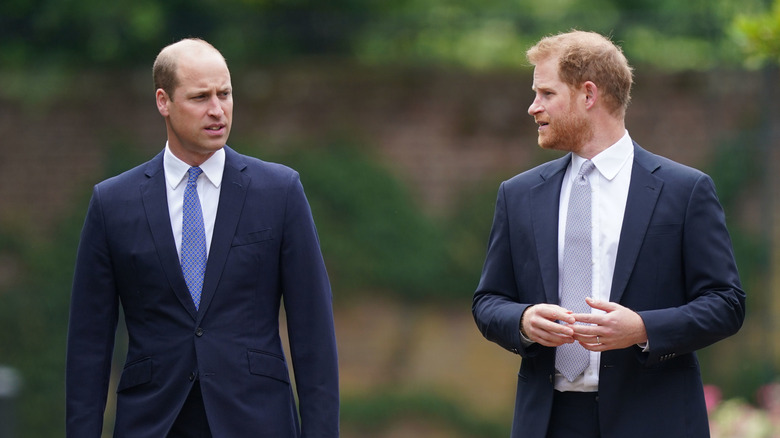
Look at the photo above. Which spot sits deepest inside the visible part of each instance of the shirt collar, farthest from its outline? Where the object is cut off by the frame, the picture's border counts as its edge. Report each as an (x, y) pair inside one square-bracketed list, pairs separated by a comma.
[(610, 160), (176, 169)]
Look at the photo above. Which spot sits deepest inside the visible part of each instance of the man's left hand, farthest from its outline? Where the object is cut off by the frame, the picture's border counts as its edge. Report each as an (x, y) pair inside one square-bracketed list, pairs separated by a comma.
[(619, 327)]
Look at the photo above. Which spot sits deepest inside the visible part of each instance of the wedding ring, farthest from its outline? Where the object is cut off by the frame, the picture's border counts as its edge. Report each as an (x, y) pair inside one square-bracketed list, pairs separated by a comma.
[(598, 341)]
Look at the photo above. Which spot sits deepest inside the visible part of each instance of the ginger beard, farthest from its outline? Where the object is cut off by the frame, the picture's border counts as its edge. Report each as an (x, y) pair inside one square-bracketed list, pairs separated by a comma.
[(569, 131)]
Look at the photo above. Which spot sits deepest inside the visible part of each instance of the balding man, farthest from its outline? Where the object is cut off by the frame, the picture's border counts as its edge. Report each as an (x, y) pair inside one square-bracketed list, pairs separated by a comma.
[(200, 246)]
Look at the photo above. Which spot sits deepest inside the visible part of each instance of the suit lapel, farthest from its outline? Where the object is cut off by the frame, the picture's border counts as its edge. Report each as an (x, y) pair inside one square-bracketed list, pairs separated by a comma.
[(545, 200), (642, 197), (231, 202), (155, 202)]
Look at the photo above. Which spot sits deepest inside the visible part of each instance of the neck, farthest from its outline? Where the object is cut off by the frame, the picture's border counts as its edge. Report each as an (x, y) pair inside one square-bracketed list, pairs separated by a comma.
[(604, 136)]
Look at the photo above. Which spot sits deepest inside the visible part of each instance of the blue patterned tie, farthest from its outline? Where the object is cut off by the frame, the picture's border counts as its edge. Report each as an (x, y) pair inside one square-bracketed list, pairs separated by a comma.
[(193, 238), (572, 359)]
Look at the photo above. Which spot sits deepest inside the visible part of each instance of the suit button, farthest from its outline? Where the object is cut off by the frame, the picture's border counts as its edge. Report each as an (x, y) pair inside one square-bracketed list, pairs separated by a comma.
[(199, 332), (191, 376)]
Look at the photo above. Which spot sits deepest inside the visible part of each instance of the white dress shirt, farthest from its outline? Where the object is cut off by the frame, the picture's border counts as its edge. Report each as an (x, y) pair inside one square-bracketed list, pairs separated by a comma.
[(609, 188), (208, 191)]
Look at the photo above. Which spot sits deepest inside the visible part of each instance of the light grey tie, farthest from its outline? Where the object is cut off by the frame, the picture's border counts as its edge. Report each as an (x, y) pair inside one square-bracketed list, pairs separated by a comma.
[(572, 359)]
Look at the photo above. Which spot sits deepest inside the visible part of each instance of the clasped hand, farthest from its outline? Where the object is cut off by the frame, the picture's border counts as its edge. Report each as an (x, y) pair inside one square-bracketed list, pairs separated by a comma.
[(552, 325)]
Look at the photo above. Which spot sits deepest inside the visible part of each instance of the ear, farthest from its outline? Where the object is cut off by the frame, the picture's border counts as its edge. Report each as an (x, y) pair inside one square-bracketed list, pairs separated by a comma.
[(591, 93), (162, 99)]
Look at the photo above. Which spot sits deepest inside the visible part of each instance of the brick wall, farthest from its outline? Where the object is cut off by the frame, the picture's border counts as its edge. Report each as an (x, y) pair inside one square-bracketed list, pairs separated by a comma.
[(440, 131)]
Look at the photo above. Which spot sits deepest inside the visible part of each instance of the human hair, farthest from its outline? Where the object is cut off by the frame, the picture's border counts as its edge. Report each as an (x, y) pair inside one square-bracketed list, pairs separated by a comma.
[(164, 68), (588, 56)]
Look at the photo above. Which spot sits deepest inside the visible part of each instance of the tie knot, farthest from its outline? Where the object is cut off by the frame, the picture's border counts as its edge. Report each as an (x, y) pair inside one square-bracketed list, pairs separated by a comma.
[(586, 168), (194, 173)]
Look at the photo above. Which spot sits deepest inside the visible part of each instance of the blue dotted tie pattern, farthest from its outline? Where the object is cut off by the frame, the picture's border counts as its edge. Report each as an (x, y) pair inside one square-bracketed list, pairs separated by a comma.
[(572, 359), (193, 238)]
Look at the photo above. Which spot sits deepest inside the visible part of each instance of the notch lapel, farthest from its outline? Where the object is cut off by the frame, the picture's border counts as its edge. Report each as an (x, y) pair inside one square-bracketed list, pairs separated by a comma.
[(155, 202), (545, 200), (231, 202), (642, 197)]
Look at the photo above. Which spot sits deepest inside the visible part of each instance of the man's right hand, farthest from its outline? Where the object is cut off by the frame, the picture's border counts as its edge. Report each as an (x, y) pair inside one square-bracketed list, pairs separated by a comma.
[(542, 323)]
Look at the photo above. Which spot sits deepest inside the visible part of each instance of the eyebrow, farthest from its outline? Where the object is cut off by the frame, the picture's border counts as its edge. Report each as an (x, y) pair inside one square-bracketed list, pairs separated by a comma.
[(197, 91)]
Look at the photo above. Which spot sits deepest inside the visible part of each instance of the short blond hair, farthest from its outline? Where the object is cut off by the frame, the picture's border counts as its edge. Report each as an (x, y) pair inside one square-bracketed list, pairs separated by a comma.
[(164, 68), (589, 56)]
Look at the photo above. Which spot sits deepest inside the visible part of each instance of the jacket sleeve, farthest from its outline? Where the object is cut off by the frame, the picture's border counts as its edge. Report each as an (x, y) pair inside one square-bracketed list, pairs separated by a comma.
[(496, 305), (715, 301), (308, 306), (92, 325)]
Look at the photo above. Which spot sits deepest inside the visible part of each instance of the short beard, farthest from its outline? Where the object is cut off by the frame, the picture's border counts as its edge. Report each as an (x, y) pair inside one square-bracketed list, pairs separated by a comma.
[(570, 133)]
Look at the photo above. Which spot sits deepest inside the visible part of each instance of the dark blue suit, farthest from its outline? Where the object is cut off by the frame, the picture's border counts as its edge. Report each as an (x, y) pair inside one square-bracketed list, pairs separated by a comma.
[(264, 250), (675, 267)]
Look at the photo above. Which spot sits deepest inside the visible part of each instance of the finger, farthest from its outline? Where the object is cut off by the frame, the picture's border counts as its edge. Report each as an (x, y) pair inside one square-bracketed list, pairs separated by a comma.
[(594, 346), (562, 315), (550, 333), (585, 330), (554, 313), (589, 318), (606, 306), (567, 318), (549, 339), (588, 338), (591, 341), (554, 328)]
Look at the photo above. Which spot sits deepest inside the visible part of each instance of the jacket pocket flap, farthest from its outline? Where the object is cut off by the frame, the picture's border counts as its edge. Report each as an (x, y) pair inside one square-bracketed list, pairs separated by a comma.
[(264, 364), (662, 229), (254, 237), (136, 373)]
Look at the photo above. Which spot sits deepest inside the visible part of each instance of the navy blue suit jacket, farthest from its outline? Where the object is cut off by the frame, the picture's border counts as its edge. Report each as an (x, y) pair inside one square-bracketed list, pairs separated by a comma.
[(675, 267), (264, 250)]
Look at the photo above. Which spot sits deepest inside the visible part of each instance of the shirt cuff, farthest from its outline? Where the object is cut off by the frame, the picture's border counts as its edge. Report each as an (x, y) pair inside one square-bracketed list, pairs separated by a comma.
[(523, 338), (525, 341)]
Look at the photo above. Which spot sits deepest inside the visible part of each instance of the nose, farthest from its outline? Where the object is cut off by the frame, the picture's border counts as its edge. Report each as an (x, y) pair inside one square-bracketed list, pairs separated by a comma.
[(215, 107), (535, 107)]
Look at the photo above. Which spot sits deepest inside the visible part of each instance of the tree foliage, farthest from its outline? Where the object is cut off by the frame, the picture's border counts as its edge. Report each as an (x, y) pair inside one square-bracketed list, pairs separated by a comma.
[(669, 34), (759, 34), (480, 34)]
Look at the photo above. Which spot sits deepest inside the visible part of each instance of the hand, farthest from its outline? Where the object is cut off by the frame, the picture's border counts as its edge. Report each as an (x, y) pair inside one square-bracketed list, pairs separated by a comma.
[(540, 324), (619, 327)]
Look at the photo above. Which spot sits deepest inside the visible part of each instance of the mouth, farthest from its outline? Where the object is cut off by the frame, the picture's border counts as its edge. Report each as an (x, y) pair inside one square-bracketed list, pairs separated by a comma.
[(542, 124), (215, 129)]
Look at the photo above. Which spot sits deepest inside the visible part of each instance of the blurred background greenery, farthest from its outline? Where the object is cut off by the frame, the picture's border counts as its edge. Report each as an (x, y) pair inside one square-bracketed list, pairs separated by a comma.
[(402, 117)]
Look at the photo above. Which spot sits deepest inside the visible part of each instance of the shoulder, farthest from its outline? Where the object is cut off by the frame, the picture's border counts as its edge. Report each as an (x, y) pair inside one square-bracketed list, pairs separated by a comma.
[(269, 173), (139, 174), (538, 175), (665, 168)]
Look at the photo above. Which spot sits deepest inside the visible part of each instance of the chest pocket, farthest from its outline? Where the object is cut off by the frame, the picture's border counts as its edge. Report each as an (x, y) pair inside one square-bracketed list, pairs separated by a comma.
[(254, 237)]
